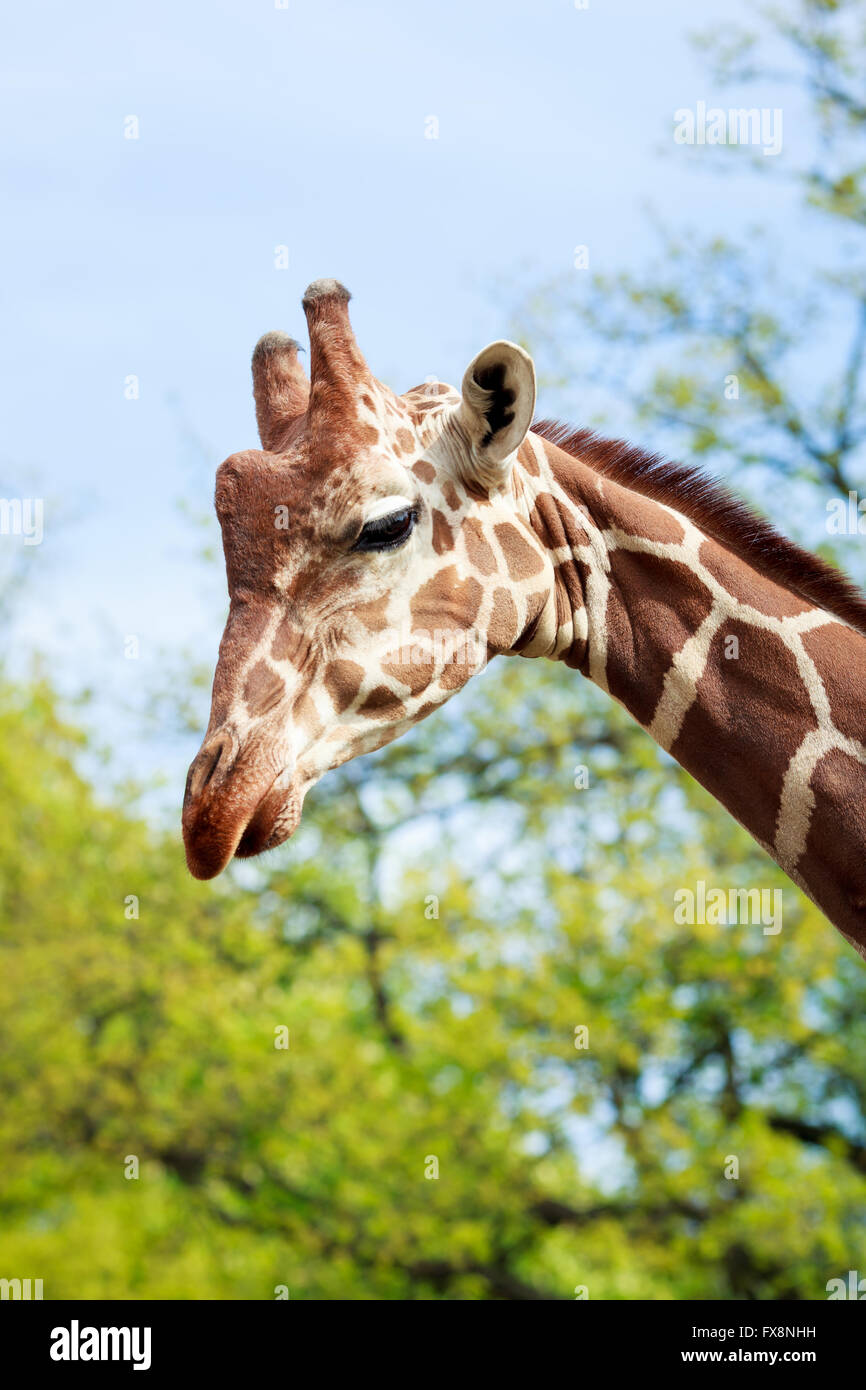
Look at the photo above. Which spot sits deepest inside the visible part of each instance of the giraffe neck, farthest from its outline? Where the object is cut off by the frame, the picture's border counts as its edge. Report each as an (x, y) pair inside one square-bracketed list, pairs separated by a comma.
[(749, 686)]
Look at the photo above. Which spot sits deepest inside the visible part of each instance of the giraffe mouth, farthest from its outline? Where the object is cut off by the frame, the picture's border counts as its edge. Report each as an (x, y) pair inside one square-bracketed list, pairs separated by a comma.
[(229, 822), (274, 820)]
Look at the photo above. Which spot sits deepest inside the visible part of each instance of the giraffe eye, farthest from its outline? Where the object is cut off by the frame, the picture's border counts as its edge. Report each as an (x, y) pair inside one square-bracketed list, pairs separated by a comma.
[(387, 532)]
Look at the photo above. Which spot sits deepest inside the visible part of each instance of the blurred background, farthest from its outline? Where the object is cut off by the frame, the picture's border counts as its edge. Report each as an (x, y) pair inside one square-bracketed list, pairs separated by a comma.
[(355, 1069)]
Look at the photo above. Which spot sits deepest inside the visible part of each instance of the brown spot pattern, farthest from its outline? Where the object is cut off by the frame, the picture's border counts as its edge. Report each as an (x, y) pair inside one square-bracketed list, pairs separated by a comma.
[(837, 868), (415, 670), (748, 586), (478, 547), (289, 643), (342, 682), (373, 614), (840, 656), (742, 759), (449, 492), (445, 599), (458, 669), (534, 609), (504, 620), (522, 560), (429, 707), (555, 525), (638, 516), (653, 607), (307, 716), (382, 703), (443, 536), (263, 689), (526, 458)]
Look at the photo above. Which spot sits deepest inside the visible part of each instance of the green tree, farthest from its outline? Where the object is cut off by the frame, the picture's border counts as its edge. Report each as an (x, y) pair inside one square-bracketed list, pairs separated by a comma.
[(432, 1129), (748, 354)]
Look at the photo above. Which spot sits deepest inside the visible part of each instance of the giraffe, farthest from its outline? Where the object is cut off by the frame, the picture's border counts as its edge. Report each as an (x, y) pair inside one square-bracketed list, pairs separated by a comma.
[(381, 549)]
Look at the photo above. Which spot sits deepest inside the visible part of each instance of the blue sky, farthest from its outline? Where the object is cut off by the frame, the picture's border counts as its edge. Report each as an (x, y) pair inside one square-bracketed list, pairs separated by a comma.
[(301, 127)]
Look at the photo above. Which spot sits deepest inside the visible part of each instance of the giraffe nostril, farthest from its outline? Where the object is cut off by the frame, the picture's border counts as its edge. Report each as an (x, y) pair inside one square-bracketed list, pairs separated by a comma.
[(205, 765)]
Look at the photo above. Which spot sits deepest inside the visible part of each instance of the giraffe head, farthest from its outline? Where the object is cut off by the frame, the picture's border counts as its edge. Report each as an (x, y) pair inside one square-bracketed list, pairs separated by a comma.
[(376, 559)]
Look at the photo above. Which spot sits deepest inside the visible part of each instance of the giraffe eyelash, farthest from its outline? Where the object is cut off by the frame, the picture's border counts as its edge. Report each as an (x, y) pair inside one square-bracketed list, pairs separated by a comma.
[(388, 532)]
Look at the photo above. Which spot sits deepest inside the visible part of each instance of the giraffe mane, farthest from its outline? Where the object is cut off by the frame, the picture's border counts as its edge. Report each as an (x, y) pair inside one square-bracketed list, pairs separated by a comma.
[(726, 518)]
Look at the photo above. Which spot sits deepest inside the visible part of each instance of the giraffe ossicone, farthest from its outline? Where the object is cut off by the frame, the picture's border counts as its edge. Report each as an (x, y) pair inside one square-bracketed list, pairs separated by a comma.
[(430, 532)]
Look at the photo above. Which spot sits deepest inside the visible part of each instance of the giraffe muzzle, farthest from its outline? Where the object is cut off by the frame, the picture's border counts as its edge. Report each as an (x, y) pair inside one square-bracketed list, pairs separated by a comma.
[(234, 806)]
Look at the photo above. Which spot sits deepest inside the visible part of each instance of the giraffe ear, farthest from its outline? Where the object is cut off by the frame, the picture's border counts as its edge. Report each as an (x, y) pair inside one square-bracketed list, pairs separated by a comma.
[(497, 408)]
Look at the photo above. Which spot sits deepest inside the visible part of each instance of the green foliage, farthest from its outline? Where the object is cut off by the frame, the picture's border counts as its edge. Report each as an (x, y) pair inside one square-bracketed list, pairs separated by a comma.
[(414, 1037), (747, 354)]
